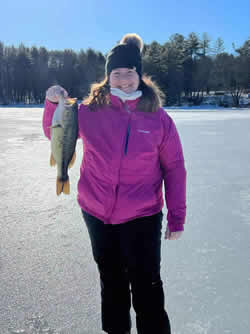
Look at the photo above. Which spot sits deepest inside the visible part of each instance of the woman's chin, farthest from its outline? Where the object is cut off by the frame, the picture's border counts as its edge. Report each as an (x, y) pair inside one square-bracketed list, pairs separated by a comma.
[(128, 91)]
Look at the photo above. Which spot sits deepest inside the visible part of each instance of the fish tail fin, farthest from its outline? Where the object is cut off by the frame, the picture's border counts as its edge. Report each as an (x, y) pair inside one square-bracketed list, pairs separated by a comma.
[(59, 186), (66, 187), (72, 160), (62, 187), (52, 160)]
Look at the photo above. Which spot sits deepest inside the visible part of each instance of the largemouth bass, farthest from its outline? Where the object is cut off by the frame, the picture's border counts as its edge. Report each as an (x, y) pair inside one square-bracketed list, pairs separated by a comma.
[(64, 133)]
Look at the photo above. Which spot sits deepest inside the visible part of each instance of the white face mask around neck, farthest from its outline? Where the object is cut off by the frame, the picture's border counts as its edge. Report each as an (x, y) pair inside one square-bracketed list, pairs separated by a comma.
[(126, 96)]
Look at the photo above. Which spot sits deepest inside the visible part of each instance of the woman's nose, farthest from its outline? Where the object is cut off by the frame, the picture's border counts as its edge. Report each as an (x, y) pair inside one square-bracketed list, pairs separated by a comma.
[(123, 77)]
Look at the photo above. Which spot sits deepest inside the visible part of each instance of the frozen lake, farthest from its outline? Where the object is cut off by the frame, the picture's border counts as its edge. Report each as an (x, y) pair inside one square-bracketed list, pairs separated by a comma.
[(49, 282)]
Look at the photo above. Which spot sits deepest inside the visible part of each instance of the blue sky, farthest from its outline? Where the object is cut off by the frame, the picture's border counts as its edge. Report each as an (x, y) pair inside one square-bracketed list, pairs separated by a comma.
[(100, 24)]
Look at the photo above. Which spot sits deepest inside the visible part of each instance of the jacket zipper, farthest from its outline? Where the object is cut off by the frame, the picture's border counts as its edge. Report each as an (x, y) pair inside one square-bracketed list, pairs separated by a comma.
[(125, 152), (128, 131), (126, 144)]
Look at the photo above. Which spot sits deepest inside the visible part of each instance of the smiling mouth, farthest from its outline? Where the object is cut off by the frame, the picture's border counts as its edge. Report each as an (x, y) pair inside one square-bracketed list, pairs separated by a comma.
[(125, 88)]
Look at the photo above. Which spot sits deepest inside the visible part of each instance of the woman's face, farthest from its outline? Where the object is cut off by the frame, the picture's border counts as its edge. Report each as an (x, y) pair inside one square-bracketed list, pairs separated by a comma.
[(126, 79)]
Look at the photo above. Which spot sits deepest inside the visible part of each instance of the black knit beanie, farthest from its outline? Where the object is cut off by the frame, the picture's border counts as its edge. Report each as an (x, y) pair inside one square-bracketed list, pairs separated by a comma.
[(126, 54)]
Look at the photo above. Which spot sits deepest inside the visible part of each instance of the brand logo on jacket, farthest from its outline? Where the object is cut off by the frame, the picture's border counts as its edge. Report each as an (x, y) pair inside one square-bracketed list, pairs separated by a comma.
[(144, 131)]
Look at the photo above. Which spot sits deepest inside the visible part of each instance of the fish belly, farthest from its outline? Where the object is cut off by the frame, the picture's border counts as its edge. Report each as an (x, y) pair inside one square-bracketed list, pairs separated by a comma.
[(57, 148)]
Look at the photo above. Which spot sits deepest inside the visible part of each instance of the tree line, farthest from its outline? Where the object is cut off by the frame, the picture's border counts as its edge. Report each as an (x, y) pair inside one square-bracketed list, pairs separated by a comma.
[(184, 69)]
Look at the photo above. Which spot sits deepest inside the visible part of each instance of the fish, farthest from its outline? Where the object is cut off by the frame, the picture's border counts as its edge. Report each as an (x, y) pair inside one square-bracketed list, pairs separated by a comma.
[(64, 134)]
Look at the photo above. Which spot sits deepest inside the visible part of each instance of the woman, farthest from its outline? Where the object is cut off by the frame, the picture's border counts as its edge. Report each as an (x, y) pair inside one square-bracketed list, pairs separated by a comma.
[(131, 146)]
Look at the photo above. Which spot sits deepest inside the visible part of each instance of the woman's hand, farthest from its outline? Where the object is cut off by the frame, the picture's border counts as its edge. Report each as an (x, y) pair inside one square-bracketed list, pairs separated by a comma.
[(172, 235), (54, 92)]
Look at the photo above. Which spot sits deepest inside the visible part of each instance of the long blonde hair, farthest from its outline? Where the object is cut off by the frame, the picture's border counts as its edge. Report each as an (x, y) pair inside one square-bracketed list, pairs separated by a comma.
[(150, 101)]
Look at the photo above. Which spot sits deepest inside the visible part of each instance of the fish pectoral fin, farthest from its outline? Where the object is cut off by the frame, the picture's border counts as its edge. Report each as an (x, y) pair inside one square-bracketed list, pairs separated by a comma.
[(59, 186), (72, 160), (66, 187), (52, 160)]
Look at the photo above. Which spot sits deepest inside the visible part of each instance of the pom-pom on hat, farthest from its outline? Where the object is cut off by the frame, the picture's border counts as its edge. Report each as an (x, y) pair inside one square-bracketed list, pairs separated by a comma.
[(126, 54)]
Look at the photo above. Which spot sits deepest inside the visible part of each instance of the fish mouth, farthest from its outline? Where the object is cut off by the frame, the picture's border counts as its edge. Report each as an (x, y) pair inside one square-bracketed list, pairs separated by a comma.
[(57, 125)]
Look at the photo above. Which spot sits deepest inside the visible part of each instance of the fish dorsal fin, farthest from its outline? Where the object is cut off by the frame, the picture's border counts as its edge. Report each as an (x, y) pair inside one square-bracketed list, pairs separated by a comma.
[(71, 101)]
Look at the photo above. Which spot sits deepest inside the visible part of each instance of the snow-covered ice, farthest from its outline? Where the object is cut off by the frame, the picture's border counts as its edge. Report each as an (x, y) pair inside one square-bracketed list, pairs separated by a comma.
[(49, 282)]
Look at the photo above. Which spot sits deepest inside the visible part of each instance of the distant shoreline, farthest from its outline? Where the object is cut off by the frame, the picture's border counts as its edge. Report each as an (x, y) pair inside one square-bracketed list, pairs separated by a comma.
[(203, 107), (22, 105)]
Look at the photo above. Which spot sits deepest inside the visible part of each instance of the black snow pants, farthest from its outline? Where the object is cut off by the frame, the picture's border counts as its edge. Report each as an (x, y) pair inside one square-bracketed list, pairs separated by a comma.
[(128, 257)]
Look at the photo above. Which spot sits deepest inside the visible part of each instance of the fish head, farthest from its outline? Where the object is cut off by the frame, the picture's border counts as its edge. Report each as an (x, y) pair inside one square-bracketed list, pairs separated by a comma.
[(61, 97), (59, 112)]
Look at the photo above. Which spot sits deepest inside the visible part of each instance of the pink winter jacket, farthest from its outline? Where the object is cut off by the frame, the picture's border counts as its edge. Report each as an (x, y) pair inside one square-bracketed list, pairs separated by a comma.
[(127, 156)]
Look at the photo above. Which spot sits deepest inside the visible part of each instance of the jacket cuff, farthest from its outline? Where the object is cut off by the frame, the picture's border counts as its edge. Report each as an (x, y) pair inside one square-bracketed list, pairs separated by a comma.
[(176, 227), (56, 103)]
